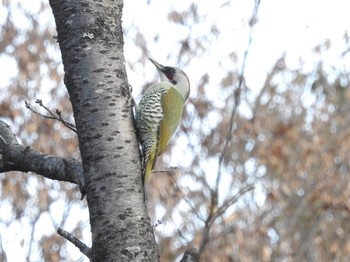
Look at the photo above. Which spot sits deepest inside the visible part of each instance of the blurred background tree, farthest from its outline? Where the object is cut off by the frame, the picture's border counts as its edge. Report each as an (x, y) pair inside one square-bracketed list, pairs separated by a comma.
[(259, 178), (32, 207)]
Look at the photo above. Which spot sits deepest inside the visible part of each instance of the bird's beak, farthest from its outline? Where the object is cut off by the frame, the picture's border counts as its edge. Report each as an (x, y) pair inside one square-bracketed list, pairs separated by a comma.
[(159, 66)]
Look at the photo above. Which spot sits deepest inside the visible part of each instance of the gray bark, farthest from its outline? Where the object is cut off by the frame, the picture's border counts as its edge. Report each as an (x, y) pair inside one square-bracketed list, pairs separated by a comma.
[(15, 157), (91, 41)]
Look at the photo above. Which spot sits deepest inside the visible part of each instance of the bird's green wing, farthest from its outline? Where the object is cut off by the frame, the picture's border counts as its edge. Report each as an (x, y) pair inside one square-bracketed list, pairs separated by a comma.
[(172, 104)]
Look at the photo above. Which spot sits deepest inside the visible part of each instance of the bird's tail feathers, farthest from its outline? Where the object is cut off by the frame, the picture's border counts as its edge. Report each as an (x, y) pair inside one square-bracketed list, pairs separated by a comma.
[(149, 163)]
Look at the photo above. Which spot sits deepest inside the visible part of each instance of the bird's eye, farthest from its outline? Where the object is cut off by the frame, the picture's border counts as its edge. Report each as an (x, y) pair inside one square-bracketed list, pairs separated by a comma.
[(173, 71)]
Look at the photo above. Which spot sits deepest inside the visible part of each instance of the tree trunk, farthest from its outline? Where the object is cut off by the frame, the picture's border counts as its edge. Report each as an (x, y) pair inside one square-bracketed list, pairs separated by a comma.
[(91, 41)]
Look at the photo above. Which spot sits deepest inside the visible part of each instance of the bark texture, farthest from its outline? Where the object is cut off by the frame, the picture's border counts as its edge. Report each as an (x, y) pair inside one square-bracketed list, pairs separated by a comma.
[(91, 41), (15, 157)]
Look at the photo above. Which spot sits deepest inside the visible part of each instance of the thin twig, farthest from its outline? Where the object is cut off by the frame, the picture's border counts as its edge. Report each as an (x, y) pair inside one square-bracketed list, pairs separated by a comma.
[(237, 95), (214, 210), (190, 255), (206, 231), (35, 220), (193, 209), (67, 124), (157, 224), (55, 116), (171, 171), (221, 210), (2, 251), (214, 213), (75, 241)]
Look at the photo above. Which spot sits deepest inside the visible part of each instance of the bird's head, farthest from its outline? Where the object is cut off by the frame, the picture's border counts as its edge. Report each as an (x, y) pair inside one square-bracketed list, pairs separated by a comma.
[(175, 76)]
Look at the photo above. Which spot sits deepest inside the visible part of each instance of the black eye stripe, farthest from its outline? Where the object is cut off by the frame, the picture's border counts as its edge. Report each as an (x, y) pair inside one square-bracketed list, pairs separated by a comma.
[(170, 72), (169, 75)]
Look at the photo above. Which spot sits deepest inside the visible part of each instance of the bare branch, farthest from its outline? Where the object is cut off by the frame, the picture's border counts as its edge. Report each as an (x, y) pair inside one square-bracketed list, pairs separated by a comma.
[(15, 157), (33, 222), (157, 224), (75, 241), (55, 116), (191, 255), (193, 209), (237, 95), (229, 202), (3, 256), (171, 171), (214, 210), (206, 230)]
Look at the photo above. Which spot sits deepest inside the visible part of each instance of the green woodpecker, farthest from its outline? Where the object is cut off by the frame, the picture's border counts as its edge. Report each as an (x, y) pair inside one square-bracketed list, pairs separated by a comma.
[(158, 114)]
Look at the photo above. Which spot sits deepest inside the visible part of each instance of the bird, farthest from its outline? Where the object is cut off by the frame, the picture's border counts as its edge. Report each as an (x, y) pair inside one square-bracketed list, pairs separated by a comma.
[(158, 115)]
